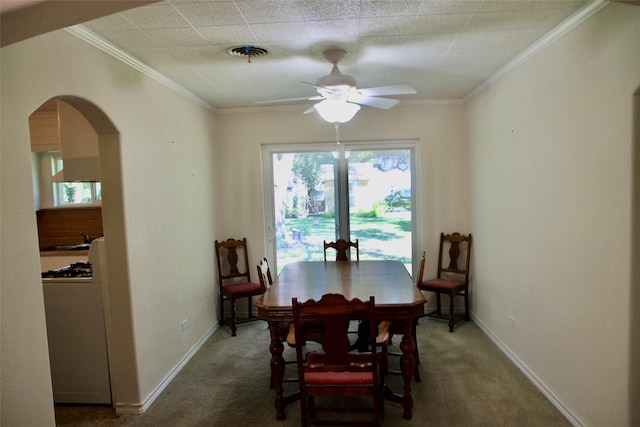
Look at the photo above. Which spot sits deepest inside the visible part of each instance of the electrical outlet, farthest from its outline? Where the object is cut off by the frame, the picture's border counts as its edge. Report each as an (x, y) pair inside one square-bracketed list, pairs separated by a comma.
[(511, 321), (185, 324)]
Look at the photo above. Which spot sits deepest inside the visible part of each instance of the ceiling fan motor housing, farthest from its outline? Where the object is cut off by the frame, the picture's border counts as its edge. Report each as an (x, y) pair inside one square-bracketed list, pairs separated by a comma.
[(338, 91), (336, 81), (336, 85), (336, 78)]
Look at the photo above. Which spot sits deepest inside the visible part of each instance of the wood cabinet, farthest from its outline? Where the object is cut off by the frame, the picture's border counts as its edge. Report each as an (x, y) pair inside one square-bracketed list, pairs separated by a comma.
[(57, 125), (78, 139), (44, 127)]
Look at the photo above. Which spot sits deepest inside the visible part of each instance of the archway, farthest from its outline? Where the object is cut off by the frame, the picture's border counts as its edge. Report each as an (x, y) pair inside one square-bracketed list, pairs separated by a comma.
[(634, 323), (116, 294)]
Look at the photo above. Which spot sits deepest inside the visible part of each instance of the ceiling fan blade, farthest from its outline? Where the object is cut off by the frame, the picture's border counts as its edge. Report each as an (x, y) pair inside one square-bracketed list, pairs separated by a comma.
[(323, 90), (399, 89), (276, 101), (372, 101), (314, 85), (310, 110)]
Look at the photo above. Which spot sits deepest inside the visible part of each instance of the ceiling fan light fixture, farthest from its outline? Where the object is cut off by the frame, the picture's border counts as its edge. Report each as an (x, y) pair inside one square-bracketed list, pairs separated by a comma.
[(336, 111)]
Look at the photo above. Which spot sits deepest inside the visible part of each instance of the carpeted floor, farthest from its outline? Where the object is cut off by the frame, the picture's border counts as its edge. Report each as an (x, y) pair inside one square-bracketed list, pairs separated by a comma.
[(466, 381)]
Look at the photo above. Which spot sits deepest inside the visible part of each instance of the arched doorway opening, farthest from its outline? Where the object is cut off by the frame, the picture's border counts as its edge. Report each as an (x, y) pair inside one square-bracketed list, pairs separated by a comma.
[(634, 326), (115, 289)]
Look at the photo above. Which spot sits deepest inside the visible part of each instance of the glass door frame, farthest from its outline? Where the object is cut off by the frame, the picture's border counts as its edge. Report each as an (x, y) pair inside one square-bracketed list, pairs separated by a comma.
[(342, 187)]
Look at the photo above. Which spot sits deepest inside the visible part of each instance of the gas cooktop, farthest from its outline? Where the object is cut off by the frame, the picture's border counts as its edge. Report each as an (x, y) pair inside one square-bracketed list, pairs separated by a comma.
[(78, 269)]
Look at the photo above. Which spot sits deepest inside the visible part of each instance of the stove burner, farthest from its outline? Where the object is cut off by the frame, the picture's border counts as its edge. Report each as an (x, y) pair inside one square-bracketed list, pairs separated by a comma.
[(78, 269)]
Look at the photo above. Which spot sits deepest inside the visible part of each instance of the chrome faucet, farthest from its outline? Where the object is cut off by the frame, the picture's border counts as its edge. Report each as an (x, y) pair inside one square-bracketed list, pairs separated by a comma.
[(86, 237)]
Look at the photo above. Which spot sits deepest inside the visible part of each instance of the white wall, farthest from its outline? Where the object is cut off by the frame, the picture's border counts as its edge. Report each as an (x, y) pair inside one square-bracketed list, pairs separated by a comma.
[(442, 174), (550, 157), (159, 194), (546, 193)]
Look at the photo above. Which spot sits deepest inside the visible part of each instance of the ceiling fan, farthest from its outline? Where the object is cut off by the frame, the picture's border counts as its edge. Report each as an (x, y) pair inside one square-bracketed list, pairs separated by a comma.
[(341, 99)]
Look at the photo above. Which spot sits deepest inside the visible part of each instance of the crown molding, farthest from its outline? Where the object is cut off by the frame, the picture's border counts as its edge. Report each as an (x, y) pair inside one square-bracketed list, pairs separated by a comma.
[(569, 24), (95, 40)]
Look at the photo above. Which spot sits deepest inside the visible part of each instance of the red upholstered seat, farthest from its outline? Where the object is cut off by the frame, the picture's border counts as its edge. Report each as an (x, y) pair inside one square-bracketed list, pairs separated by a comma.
[(335, 370), (240, 290), (453, 277), (338, 378), (442, 284), (234, 279)]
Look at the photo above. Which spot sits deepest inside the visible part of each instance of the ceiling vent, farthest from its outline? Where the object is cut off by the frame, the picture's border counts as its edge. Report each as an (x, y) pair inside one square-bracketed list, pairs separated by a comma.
[(247, 51)]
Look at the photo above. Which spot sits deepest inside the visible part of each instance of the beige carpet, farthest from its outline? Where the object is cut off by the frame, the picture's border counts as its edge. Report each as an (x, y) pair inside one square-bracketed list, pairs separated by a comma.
[(466, 381)]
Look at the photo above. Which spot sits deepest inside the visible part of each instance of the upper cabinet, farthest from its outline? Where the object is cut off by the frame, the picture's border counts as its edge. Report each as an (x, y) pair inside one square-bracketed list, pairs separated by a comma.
[(44, 127), (57, 125), (78, 138)]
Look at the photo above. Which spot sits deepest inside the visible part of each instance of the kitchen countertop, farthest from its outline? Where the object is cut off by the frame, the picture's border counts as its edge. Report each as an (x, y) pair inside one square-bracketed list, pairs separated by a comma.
[(82, 254), (67, 280)]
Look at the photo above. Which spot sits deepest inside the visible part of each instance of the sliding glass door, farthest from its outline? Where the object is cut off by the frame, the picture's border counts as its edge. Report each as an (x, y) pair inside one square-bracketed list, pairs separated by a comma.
[(318, 192)]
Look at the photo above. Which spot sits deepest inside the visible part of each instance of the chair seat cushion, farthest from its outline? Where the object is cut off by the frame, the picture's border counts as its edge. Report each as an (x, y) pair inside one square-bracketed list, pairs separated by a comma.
[(338, 378), (440, 284), (239, 290)]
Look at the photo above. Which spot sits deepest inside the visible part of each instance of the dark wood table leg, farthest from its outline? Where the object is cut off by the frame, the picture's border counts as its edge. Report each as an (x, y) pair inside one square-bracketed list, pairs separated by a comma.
[(407, 367), (277, 367)]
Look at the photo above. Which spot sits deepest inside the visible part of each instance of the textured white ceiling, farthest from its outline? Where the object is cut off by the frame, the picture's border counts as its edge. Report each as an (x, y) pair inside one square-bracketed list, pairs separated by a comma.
[(443, 48)]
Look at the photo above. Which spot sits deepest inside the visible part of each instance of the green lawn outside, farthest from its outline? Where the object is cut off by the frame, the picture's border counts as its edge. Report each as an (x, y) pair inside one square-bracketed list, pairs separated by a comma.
[(384, 237)]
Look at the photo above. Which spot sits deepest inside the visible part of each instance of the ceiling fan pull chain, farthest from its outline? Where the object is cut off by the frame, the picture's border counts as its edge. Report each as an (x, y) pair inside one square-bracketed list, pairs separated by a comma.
[(337, 125)]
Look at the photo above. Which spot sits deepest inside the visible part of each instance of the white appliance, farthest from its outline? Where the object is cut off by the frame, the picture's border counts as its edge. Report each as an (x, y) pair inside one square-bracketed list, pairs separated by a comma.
[(76, 333)]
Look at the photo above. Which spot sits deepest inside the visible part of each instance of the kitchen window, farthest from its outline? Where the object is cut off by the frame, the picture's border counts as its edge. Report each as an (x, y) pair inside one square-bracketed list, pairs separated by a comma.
[(76, 193), (73, 193), (51, 193)]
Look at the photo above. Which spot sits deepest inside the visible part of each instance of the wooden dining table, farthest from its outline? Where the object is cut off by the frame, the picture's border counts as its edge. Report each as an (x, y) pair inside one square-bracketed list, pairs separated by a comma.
[(396, 297)]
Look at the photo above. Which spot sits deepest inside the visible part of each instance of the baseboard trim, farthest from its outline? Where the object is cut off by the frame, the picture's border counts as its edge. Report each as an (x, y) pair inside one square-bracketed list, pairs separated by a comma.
[(139, 408), (529, 374)]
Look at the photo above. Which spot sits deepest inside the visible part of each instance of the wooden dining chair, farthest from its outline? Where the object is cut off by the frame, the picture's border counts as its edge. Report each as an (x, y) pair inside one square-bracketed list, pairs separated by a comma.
[(343, 253), (266, 280), (343, 249), (310, 331), (336, 371), (234, 279), (264, 274), (395, 328), (452, 278)]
